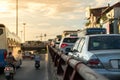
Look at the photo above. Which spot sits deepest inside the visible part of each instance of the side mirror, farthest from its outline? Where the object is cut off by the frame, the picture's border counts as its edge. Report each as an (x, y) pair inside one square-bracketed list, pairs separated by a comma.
[(75, 50), (71, 50)]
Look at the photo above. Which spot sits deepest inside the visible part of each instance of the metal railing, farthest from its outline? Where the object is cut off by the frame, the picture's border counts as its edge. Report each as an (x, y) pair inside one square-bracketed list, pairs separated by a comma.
[(70, 69)]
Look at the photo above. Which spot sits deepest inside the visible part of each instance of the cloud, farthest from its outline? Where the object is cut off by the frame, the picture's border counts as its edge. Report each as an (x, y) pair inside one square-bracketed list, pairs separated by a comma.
[(44, 24), (59, 5), (54, 9), (48, 16)]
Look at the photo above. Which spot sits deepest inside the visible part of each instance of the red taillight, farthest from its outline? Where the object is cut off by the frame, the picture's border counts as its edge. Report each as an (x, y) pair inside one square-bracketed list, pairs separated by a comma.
[(64, 45), (94, 61), (5, 54)]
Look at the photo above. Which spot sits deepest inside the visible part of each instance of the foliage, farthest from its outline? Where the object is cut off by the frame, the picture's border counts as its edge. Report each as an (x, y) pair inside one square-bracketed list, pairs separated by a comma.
[(87, 23), (104, 18)]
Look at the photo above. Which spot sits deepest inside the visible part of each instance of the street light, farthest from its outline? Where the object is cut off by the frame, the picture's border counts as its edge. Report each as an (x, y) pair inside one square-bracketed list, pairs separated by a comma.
[(24, 30), (45, 36), (41, 37), (16, 17), (21, 35)]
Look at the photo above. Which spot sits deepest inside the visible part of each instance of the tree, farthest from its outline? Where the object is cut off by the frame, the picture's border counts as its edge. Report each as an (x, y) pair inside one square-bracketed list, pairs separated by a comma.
[(87, 23)]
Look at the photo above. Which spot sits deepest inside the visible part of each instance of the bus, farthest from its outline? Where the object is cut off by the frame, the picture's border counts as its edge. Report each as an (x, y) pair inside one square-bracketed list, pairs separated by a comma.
[(91, 31), (9, 42)]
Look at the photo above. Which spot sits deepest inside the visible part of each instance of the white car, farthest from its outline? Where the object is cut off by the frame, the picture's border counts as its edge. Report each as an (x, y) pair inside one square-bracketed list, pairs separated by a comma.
[(67, 43)]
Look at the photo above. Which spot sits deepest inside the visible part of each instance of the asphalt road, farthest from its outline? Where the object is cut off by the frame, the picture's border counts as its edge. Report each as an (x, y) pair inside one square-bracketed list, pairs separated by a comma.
[(28, 71)]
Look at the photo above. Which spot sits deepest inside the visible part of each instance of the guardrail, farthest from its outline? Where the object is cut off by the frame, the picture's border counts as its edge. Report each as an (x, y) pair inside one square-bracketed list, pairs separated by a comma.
[(70, 69)]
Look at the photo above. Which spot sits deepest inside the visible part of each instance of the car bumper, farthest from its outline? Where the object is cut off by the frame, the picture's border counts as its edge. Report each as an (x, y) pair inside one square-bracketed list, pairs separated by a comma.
[(112, 75)]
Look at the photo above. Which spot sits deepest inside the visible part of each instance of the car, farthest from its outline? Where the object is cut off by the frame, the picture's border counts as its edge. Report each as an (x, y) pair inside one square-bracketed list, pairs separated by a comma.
[(73, 50), (67, 43), (100, 52), (57, 44), (27, 54)]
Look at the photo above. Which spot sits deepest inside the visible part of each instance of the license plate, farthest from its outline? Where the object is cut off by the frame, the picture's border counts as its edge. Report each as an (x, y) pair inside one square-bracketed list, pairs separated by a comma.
[(115, 64)]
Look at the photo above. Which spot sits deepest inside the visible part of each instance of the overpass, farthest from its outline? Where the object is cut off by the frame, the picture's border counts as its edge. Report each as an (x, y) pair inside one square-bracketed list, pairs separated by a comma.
[(30, 47)]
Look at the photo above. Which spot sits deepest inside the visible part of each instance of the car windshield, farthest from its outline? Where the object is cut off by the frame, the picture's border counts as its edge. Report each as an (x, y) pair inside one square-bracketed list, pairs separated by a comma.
[(104, 43), (70, 40)]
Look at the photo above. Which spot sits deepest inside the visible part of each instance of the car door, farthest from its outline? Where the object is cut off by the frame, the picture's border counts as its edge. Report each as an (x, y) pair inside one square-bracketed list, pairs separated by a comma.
[(74, 50), (79, 49)]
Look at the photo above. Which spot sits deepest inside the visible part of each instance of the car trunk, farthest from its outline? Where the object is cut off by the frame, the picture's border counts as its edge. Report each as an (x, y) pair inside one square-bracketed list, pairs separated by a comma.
[(110, 59)]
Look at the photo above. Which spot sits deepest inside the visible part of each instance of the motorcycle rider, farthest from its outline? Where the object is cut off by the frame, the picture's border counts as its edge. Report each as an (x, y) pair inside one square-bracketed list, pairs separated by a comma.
[(37, 58), (11, 60)]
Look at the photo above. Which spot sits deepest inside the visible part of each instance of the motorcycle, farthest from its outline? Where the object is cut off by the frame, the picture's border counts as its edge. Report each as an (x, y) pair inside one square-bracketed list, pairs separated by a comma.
[(37, 64), (9, 72)]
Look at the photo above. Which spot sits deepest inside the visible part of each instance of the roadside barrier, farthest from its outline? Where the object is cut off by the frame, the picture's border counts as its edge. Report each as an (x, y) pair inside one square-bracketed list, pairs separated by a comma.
[(70, 69)]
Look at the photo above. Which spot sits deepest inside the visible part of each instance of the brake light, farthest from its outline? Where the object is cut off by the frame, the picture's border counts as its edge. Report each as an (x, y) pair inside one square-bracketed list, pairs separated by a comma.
[(94, 63), (64, 45), (5, 54)]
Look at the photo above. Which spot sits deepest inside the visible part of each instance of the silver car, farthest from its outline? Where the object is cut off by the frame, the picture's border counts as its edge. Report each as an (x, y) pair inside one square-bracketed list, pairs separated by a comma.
[(101, 52)]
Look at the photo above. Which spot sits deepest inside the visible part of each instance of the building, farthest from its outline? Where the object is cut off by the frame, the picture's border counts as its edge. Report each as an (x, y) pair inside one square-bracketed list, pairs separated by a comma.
[(107, 17), (112, 21), (93, 14)]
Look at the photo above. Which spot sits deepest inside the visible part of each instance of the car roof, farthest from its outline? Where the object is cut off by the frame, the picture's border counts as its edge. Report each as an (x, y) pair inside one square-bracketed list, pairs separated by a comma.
[(102, 35)]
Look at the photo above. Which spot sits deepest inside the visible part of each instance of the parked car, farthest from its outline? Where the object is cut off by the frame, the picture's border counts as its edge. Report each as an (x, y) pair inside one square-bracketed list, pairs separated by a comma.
[(67, 43), (73, 50), (101, 52), (57, 44)]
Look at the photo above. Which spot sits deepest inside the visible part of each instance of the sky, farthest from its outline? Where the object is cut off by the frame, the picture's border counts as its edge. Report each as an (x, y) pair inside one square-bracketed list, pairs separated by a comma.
[(50, 17)]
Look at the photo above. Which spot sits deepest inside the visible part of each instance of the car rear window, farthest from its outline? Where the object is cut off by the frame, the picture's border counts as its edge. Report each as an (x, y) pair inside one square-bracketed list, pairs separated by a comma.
[(70, 40), (104, 42)]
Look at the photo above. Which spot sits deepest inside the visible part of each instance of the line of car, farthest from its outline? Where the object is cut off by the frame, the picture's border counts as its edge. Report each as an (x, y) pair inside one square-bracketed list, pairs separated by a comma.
[(101, 52)]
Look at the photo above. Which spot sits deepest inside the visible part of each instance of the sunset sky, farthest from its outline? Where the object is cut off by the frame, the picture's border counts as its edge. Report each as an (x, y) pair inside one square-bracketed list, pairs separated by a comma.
[(49, 17)]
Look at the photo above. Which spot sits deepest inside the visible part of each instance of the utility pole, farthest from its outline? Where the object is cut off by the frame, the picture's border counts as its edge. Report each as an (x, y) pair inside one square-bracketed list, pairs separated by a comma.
[(24, 30), (45, 36), (21, 35), (41, 37), (16, 17)]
